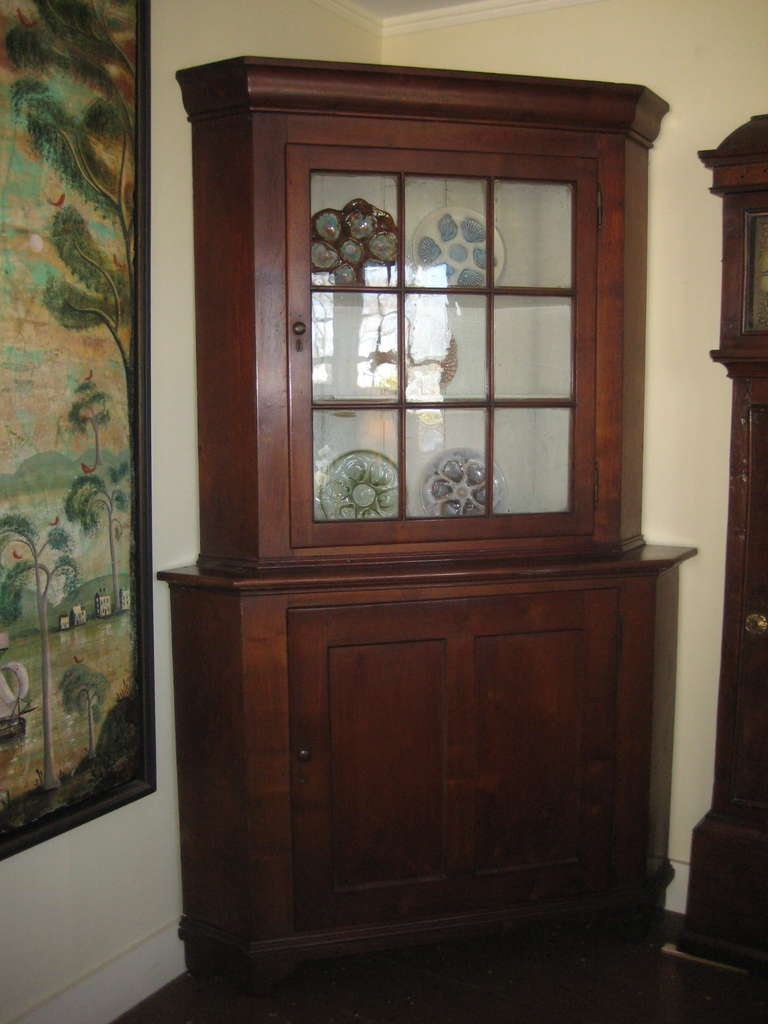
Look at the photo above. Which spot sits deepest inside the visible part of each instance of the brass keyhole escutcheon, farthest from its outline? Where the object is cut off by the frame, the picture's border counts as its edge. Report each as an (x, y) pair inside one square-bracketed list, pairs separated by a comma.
[(756, 624)]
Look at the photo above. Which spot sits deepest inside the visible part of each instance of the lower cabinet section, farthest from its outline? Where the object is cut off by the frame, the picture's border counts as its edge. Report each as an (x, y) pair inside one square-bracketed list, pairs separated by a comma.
[(368, 765), (449, 755)]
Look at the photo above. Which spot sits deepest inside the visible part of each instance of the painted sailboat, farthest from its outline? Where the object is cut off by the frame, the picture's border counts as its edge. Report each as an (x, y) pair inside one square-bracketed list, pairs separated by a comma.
[(14, 697)]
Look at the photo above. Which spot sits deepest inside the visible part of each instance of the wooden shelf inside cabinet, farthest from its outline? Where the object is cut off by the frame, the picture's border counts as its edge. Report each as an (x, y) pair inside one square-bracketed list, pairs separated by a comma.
[(442, 649)]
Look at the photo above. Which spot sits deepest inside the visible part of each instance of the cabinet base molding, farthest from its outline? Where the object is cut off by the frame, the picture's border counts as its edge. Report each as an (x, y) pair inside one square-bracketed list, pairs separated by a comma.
[(256, 967), (727, 913)]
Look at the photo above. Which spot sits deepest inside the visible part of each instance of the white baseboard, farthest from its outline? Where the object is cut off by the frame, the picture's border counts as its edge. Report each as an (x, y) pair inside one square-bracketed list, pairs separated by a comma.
[(117, 986), (677, 892)]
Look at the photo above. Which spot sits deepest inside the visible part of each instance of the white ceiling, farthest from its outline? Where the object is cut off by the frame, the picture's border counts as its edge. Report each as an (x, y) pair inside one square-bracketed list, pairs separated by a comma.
[(392, 17)]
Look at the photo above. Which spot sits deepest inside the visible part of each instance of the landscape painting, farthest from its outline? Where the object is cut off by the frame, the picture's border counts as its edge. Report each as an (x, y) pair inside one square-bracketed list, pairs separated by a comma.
[(76, 725)]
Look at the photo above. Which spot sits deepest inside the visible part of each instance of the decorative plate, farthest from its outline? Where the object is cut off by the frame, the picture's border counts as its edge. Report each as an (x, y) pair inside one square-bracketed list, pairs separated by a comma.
[(346, 243), (455, 238), (360, 485), (455, 484)]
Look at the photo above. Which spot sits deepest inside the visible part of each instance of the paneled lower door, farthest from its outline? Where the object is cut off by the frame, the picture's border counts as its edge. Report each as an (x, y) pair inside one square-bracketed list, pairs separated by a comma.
[(450, 753)]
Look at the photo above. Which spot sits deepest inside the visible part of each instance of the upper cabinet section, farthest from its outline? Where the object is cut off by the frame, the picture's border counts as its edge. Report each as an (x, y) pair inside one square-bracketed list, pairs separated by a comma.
[(420, 310)]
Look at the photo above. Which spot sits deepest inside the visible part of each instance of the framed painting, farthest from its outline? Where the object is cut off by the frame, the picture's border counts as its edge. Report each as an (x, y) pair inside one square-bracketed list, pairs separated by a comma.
[(76, 702)]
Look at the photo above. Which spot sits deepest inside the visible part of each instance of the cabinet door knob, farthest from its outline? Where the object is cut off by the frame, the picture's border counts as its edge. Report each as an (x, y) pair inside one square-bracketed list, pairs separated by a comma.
[(756, 624), (299, 329), (304, 754)]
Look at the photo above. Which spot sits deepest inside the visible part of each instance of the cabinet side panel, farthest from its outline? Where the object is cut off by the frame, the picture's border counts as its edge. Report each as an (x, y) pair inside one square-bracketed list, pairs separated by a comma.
[(633, 730), (265, 706), (662, 736), (633, 376), (610, 317), (223, 209), (210, 754), (621, 339)]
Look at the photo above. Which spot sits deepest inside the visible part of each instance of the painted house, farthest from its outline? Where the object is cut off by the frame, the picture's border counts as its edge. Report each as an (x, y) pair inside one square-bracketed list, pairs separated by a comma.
[(707, 59), (102, 603), (78, 615)]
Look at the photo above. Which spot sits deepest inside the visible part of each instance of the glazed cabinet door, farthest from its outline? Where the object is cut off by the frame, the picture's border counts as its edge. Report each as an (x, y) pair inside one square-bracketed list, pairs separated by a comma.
[(450, 754), (441, 345)]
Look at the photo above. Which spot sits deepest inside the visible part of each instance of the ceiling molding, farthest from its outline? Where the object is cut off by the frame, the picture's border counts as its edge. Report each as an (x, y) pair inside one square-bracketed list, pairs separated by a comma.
[(440, 17), (355, 13)]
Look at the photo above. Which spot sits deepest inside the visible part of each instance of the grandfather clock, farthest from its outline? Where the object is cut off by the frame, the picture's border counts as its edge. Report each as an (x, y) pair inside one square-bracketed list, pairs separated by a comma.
[(727, 912)]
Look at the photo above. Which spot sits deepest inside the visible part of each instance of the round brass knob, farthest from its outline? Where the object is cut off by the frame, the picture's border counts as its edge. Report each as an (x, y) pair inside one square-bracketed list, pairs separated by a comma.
[(299, 329), (756, 624)]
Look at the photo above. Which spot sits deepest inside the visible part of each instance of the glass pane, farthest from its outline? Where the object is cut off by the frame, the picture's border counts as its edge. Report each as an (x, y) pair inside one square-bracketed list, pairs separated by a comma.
[(446, 233), (354, 345), (534, 221), (445, 462), (445, 338), (532, 347), (533, 452), (353, 231), (757, 274), (355, 464)]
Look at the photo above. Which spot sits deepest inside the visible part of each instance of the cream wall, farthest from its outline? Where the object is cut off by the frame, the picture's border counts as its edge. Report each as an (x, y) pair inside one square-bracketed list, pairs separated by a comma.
[(104, 899)]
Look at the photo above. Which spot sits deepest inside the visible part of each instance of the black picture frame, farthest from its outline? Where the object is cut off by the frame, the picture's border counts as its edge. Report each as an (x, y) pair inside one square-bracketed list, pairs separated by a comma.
[(131, 774)]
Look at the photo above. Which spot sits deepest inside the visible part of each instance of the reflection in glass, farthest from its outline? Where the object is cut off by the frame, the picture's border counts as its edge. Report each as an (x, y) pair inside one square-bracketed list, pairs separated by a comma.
[(434, 437), (757, 273), (354, 237), (355, 464), (535, 223), (532, 347), (445, 347), (532, 449), (446, 236), (354, 345)]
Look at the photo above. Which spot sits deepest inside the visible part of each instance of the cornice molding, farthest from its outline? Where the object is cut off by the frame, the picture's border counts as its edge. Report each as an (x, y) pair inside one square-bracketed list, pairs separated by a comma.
[(440, 17), (355, 13)]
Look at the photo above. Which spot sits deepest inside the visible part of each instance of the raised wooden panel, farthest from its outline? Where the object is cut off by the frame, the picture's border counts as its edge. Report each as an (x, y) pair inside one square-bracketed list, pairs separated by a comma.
[(529, 749), (385, 704)]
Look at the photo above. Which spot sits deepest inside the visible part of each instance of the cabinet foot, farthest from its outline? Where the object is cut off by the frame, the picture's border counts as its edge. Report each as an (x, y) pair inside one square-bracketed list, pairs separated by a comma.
[(209, 956)]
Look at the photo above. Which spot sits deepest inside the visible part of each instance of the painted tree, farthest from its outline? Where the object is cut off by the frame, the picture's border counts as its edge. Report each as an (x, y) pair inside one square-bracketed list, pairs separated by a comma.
[(35, 563), (89, 412), (94, 503), (84, 690), (91, 149)]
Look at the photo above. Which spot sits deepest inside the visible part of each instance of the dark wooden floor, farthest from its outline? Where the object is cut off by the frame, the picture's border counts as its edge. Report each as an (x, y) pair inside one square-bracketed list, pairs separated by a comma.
[(593, 974)]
